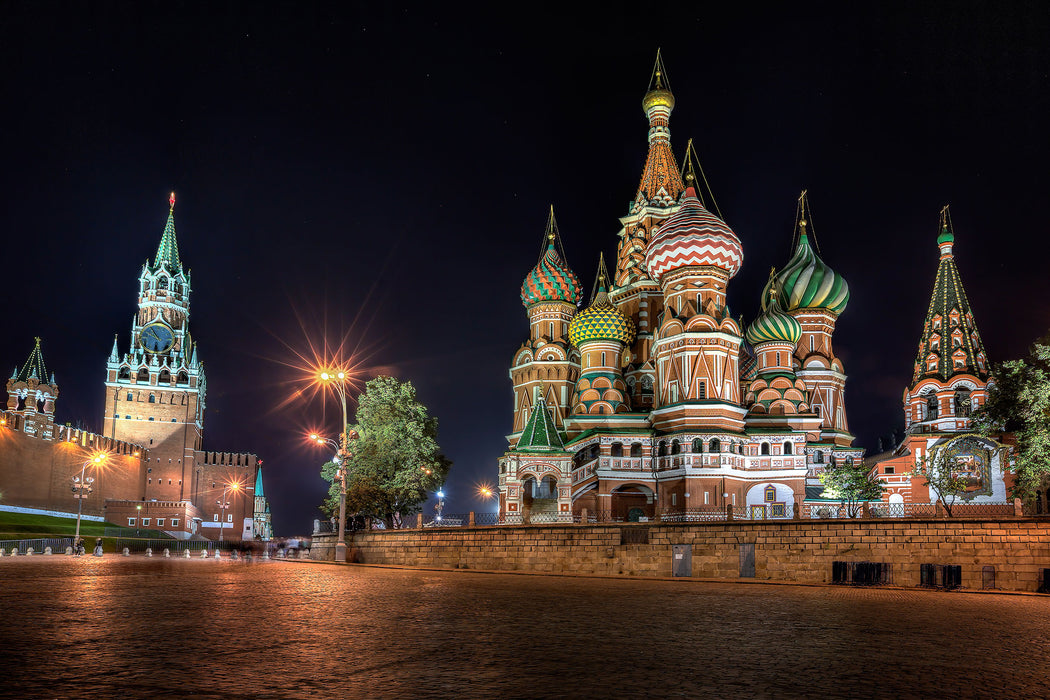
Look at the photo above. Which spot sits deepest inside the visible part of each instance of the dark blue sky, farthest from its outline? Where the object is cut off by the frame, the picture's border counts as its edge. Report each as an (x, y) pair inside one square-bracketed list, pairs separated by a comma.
[(385, 174)]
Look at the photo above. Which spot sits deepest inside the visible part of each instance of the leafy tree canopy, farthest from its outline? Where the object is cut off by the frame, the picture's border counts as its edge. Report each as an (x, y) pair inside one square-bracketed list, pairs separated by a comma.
[(1019, 403), (394, 461), (851, 483)]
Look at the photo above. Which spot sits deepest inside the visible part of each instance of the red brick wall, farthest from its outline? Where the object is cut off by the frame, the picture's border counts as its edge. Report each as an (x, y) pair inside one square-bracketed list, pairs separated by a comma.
[(800, 551)]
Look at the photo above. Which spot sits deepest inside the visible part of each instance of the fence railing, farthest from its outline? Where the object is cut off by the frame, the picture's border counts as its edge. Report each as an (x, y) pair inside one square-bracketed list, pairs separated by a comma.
[(37, 544)]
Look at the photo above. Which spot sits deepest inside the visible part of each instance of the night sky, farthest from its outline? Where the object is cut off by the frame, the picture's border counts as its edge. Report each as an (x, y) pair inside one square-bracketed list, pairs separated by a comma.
[(381, 178)]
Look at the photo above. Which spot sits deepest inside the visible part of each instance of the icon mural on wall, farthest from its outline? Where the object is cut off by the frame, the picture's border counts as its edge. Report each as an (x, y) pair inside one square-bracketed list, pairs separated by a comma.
[(973, 464)]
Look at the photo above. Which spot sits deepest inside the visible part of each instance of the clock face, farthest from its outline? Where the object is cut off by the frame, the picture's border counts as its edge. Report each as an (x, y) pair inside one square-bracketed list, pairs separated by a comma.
[(157, 338)]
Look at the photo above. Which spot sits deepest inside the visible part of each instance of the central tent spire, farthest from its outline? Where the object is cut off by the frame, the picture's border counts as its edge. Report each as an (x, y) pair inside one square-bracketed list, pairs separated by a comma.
[(661, 182), (168, 250)]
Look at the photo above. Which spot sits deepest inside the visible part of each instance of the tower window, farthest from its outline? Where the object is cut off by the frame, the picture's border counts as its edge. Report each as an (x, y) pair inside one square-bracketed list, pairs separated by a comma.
[(765, 448), (152, 398), (701, 390), (130, 396), (771, 493), (151, 417), (788, 448)]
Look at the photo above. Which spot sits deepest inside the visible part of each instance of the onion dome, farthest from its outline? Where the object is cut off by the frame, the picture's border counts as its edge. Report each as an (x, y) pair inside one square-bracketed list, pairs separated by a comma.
[(551, 280), (601, 320), (693, 236), (810, 284), (773, 325), (946, 236)]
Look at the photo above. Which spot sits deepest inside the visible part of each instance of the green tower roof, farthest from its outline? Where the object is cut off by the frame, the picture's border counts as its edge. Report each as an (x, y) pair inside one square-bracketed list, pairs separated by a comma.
[(949, 336), (258, 483), (34, 367), (540, 433), (168, 250)]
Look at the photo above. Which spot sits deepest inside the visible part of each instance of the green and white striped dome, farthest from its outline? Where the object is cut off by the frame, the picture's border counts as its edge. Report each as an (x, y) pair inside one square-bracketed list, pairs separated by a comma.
[(773, 325), (810, 284)]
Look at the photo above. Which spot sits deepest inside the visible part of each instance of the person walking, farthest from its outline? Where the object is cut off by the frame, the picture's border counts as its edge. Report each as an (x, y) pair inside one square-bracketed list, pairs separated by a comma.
[(98, 547)]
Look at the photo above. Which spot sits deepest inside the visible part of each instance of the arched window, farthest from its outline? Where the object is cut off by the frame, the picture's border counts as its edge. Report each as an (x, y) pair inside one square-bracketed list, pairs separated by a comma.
[(714, 446), (770, 493), (162, 283), (125, 373), (676, 447), (788, 448), (818, 457), (143, 375), (701, 390), (152, 398), (661, 449), (931, 407), (603, 359), (616, 449), (165, 377), (183, 378), (765, 448), (698, 445), (647, 386), (962, 402), (636, 449)]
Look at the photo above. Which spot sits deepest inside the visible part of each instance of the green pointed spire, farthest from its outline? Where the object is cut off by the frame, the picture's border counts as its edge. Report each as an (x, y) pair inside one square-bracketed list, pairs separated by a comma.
[(950, 344), (168, 250), (258, 483), (540, 433), (34, 366)]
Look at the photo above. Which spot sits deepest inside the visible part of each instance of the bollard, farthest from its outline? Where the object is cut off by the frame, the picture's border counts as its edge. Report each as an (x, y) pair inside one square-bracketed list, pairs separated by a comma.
[(2, 551), (166, 553), (149, 551), (47, 551), (204, 554), (69, 551), (218, 554), (266, 553), (233, 554), (127, 552), (29, 551), (14, 551), (185, 554)]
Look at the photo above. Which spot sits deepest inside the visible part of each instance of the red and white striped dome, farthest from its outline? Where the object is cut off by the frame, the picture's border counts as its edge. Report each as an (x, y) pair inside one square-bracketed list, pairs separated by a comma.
[(693, 236)]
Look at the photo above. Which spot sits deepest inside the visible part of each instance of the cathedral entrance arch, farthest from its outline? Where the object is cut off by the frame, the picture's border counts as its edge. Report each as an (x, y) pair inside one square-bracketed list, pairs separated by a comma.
[(632, 502)]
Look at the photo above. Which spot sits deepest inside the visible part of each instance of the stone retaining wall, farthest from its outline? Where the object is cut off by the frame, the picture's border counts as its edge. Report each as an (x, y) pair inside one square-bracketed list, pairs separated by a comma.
[(801, 551)]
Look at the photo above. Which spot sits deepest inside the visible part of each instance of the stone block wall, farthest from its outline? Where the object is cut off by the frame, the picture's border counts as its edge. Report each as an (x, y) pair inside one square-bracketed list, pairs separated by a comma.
[(800, 551)]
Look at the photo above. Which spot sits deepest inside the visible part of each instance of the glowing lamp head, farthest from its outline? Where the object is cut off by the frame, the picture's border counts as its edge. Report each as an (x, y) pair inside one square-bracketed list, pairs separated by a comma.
[(325, 376), (441, 494), (235, 486)]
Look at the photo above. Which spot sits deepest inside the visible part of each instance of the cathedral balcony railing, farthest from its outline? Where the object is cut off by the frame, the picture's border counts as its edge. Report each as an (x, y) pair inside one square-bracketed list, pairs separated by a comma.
[(628, 463)]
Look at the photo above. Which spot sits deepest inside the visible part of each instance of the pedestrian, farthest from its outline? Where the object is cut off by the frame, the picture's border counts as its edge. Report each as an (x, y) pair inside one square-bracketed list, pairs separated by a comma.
[(98, 547)]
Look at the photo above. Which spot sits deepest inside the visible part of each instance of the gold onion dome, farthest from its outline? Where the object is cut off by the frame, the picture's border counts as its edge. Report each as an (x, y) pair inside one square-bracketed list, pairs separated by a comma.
[(692, 237), (601, 321), (810, 284), (657, 98), (773, 325), (551, 280)]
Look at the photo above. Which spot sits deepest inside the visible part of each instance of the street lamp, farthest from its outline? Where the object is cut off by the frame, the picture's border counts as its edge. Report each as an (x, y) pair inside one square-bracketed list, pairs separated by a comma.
[(440, 505), (224, 504), (80, 485), (336, 378), (342, 456)]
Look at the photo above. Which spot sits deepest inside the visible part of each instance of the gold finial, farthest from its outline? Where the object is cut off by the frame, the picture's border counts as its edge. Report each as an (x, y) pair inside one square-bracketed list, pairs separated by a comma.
[(171, 202)]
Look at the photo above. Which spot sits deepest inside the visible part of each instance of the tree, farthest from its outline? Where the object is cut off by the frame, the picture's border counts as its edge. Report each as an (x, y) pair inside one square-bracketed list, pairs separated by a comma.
[(1019, 403), (942, 476), (394, 459), (850, 483)]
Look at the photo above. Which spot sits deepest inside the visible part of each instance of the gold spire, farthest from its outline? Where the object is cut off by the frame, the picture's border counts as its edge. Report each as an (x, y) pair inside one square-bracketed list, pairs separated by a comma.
[(690, 166), (659, 93)]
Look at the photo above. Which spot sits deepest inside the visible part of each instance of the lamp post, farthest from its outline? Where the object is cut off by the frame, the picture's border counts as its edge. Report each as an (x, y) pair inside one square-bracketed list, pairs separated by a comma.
[(440, 505), (79, 484), (224, 504), (342, 455), (337, 380)]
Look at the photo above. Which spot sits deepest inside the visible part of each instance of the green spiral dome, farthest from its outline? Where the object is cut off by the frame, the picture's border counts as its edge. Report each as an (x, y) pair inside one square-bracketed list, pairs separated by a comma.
[(810, 284), (773, 325), (601, 321)]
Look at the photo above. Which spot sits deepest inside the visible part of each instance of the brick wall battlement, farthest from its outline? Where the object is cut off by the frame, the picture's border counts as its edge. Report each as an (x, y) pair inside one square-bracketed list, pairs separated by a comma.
[(801, 551)]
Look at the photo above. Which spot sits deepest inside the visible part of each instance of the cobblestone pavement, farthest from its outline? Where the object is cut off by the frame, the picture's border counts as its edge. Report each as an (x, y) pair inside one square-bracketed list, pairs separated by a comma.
[(155, 628)]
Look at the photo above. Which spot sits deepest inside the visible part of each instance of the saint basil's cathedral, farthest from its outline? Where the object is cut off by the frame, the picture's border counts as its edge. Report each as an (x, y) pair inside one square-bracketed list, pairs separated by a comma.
[(654, 397)]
